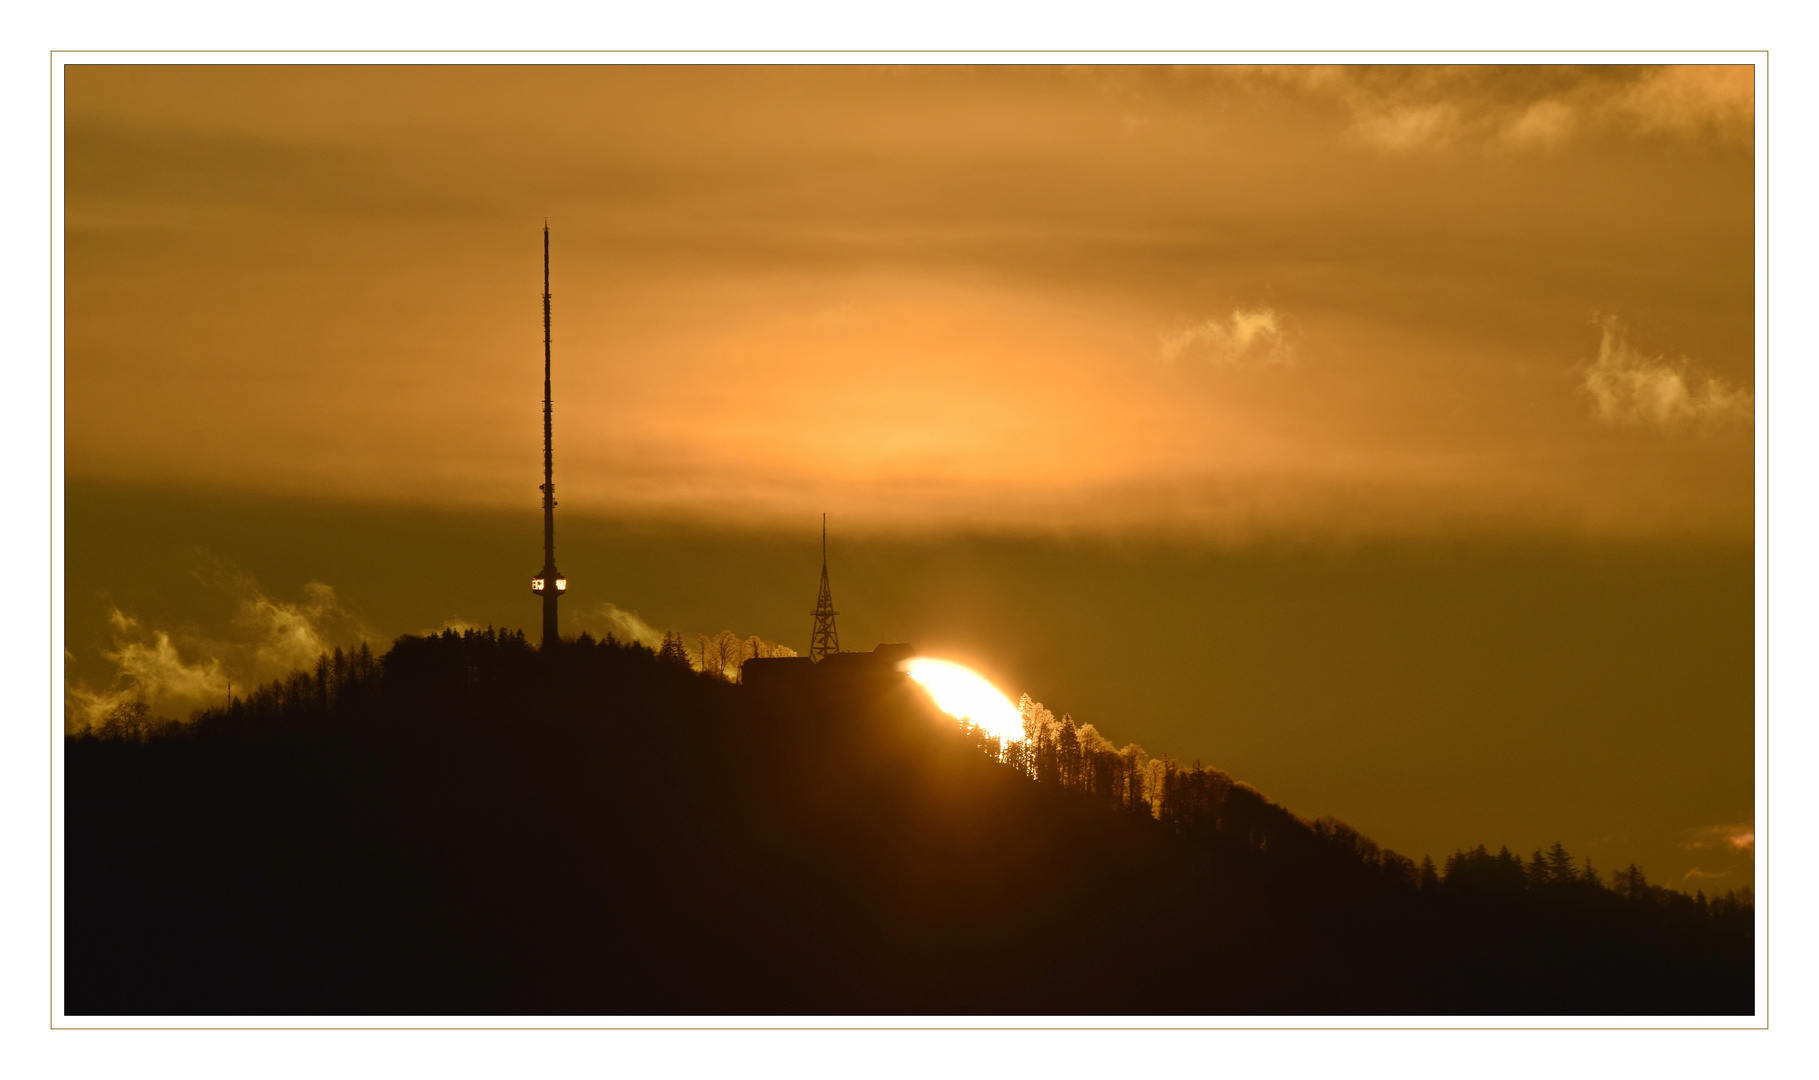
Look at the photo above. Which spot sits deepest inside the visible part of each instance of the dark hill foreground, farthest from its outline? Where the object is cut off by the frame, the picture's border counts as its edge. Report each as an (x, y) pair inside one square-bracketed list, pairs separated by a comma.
[(471, 827)]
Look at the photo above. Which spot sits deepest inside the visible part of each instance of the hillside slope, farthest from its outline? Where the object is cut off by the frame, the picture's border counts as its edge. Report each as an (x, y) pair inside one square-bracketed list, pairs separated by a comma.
[(470, 827)]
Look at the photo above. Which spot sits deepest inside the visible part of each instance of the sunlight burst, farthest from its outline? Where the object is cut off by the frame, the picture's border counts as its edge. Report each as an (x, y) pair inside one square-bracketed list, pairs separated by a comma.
[(965, 694)]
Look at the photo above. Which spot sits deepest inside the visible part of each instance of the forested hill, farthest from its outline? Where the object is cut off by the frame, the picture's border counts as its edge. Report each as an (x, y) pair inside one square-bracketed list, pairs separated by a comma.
[(469, 826)]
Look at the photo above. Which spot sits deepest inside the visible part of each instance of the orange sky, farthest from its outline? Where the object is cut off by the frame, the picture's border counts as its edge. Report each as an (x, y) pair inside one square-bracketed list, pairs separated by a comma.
[(1215, 301), (1490, 328)]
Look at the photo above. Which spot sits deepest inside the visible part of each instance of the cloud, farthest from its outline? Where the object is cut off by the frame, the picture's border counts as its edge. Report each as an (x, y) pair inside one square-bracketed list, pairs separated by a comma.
[(721, 654), (1407, 109), (290, 636), (159, 668), (1716, 100), (1543, 125), (175, 672), (1631, 389), (628, 626), (1722, 839), (1407, 127), (150, 667), (459, 626), (1248, 337), (1739, 837)]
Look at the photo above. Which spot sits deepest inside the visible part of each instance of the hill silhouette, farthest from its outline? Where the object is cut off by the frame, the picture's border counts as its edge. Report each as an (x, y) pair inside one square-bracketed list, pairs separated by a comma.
[(470, 826)]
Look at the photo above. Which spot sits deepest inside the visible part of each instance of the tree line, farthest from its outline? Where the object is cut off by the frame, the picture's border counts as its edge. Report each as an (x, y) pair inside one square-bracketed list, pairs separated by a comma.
[(722, 656), (1192, 800), (1195, 799), (466, 824)]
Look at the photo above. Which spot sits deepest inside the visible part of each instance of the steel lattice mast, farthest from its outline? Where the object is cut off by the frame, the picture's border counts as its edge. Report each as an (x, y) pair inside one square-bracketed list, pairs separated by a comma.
[(825, 640), (549, 582)]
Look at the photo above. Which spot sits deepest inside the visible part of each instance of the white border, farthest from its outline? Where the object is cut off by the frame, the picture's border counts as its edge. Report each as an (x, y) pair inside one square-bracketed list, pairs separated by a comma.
[(58, 565), (61, 59)]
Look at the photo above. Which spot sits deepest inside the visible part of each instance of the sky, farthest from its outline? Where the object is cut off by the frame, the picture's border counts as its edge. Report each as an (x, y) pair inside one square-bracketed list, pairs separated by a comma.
[(1382, 436)]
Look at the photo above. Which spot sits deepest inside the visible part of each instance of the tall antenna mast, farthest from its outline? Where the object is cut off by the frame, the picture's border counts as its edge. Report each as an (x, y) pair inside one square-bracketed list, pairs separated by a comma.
[(824, 640), (549, 582)]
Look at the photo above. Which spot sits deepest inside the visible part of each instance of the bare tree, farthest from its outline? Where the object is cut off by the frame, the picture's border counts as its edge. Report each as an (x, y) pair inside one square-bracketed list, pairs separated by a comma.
[(729, 653)]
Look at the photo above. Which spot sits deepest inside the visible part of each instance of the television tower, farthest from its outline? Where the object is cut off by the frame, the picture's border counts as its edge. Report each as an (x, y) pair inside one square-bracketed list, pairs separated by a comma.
[(549, 582), (825, 640)]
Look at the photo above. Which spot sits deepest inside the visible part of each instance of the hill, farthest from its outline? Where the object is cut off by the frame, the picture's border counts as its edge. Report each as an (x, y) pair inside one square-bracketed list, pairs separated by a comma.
[(469, 826)]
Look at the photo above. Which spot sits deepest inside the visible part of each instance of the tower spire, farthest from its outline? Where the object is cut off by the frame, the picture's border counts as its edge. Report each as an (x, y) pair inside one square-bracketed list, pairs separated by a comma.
[(824, 640), (549, 582)]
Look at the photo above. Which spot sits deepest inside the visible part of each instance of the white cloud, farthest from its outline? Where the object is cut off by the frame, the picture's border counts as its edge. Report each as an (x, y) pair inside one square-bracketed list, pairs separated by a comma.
[(1405, 109), (178, 672), (628, 626), (87, 708), (1694, 100), (1256, 336), (149, 667), (1738, 837), (1407, 127), (457, 625), (159, 668), (290, 636), (1629, 388), (1543, 125)]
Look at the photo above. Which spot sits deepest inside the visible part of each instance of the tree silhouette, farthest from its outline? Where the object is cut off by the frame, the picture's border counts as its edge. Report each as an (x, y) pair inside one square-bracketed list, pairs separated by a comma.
[(468, 825), (1560, 865), (673, 651)]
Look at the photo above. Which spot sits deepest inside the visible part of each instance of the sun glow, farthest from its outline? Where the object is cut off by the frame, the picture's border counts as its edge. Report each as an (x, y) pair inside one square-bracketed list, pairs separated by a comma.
[(964, 694)]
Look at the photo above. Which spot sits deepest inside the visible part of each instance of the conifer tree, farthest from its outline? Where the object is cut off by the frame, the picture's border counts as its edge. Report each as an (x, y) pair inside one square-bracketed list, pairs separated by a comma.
[(673, 651), (1560, 864)]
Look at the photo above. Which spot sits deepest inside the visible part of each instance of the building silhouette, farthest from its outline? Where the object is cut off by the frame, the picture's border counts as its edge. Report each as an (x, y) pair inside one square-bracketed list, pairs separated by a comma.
[(826, 664)]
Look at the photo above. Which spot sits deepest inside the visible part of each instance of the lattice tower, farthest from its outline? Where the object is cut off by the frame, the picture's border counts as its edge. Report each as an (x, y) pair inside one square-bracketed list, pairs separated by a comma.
[(825, 639)]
